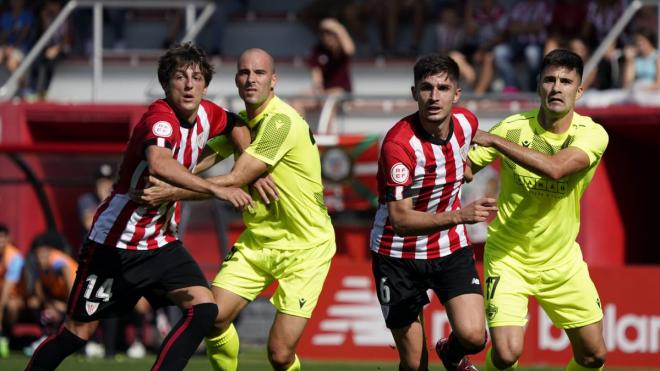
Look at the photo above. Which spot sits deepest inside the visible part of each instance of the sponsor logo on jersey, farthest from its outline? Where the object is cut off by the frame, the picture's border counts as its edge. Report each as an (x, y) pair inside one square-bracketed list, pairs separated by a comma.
[(162, 129)]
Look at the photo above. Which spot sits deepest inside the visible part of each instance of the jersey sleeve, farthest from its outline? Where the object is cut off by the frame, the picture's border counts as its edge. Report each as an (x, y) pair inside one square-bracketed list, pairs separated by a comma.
[(474, 123), (398, 169), (160, 130), (275, 137), (222, 121), (482, 156), (593, 140)]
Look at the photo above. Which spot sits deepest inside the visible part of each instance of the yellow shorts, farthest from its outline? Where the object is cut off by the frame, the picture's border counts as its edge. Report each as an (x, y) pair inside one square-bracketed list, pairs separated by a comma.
[(567, 294), (300, 274)]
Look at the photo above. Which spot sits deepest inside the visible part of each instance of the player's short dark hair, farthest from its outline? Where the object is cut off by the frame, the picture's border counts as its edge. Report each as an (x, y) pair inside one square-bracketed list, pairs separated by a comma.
[(184, 55), (4, 229), (432, 64), (563, 58)]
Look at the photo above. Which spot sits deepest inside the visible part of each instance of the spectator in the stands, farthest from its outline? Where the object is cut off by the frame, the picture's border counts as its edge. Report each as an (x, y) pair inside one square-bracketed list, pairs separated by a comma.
[(330, 60), (56, 48), (642, 63), (87, 203), (567, 22), (479, 31), (601, 17), (525, 38), (16, 27), (54, 271), (390, 13), (11, 267), (330, 66)]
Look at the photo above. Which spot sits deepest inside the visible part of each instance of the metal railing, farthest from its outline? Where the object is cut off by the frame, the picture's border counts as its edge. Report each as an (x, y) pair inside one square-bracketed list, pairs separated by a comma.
[(194, 25), (616, 30)]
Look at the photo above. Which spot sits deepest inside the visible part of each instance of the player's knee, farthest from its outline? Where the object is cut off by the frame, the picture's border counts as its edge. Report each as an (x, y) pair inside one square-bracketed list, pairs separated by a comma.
[(83, 330), (280, 357), (592, 359), (412, 365), (474, 341), (204, 315), (505, 357)]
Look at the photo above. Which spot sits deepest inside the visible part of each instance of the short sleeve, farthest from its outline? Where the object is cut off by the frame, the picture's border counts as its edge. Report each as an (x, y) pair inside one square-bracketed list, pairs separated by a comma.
[(482, 156), (593, 140), (160, 131), (275, 137), (398, 170), (222, 121)]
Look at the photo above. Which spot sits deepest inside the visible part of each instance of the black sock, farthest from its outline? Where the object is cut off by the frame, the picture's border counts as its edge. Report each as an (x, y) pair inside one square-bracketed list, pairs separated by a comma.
[(182, 341), (54, 349)]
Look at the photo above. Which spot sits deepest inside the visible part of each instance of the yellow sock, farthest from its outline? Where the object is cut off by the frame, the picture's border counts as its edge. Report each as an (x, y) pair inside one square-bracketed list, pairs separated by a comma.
[(491, 367), (295, 366), (223, 350), (574, 366)]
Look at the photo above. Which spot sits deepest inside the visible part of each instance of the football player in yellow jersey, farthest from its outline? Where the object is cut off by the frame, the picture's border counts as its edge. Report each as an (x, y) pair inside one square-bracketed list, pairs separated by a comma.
[(549, 156), (288, 235)]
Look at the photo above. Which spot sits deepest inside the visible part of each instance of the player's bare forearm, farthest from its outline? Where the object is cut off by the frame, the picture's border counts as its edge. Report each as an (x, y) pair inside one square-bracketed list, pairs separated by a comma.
[(163, 166), (565, 162), (209, 159), (246, 170), (240, 136), (415, 223), (409, 222)]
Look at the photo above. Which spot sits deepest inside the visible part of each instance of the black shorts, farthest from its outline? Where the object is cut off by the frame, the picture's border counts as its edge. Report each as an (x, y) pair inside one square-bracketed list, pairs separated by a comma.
[(110, 281), (402, 283)]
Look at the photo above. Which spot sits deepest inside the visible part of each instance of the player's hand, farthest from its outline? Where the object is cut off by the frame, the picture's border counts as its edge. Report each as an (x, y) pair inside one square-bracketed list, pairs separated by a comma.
[(155, 193), (477, 211), (267, 188), (483, 138), (236, 196)]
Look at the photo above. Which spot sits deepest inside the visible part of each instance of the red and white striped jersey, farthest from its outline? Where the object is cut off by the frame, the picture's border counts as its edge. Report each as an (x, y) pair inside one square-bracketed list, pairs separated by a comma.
[(414, 164), (125, 224)]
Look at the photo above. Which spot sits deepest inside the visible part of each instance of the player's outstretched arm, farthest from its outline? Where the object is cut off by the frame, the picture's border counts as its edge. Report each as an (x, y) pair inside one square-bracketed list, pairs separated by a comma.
[(163, 166), (409, 222), (249, 170), (565, 162)]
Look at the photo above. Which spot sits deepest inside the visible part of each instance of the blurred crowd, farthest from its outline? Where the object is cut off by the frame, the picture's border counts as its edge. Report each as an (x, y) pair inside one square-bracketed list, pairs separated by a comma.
[(498, 44), (35, 283)]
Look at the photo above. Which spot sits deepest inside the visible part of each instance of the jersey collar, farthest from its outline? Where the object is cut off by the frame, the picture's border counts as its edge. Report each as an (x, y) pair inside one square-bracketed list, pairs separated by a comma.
[(261, 116), (425, 134)]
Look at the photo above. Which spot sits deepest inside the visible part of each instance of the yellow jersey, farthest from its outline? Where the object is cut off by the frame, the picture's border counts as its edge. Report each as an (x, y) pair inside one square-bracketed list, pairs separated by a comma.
[(539, 218), (299, 219)]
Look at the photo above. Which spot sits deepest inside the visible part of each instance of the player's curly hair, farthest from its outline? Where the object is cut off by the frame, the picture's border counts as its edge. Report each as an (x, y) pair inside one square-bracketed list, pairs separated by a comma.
[(432, 64), (184, 55)]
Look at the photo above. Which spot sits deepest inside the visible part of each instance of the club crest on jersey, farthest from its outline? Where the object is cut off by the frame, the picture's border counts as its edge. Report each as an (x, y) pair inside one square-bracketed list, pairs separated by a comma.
[(399, 173), (91, 307), (162, 129), (200, 142)]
